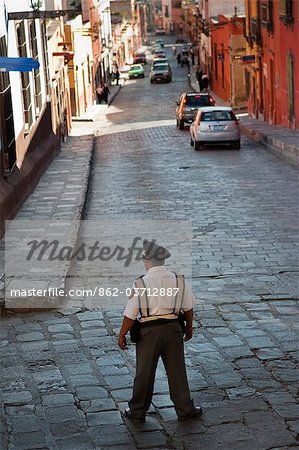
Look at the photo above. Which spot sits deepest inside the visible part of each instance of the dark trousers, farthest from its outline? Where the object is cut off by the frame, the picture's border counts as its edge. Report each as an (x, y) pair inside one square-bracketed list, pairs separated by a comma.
[(165, 340)]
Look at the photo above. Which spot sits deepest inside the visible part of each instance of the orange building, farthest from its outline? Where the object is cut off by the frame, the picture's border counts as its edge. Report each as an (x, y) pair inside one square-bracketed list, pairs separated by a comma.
[(227, 49), (272, 79)]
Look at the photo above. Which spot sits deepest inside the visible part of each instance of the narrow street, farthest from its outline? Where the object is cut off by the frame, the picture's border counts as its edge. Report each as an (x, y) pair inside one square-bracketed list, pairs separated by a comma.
[(243, 360)]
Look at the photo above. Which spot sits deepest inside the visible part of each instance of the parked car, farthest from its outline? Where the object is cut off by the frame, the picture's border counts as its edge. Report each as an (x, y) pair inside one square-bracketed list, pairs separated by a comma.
[(160, 42), (180, 40), (136, 71), (216, 125), (159, 54), (139, 58), (160, 31), (188, 106), (161, 72)]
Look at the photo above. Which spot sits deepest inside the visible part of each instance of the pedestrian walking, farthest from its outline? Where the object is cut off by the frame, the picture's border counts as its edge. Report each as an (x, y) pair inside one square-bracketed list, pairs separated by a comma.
[(106, 92), (178, 58), (204, 82), (115, 73), (159, 297), (99, 92), (198, 75)]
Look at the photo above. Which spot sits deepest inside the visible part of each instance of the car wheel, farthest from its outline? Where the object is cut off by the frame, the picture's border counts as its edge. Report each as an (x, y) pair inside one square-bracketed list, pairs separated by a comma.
[(142, 76), (197, 145), (237, 145), (177, 122), (191, 142), (151, 81), (181, 125)]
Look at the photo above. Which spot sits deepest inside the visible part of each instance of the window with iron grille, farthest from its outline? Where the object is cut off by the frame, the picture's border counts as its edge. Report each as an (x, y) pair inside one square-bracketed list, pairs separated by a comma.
[(286, 11), (7, 132), (26, 88), (36, 72)]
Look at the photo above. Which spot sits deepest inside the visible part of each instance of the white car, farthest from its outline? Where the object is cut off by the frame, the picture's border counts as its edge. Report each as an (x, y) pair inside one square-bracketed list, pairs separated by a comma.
[(215, 125)]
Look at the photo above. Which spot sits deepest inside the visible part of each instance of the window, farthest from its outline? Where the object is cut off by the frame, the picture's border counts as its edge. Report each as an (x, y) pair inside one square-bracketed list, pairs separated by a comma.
[(8, 147), (36, 72), (290, 79), (247, 83), (26, 91), (286, 11), (166, 11), (215, 61), (218, 116), (198, 100), (264, 13), (177, 5)]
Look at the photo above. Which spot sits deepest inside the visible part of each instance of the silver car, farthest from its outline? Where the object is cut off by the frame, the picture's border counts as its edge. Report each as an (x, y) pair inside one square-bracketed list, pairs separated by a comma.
[(215, 125)]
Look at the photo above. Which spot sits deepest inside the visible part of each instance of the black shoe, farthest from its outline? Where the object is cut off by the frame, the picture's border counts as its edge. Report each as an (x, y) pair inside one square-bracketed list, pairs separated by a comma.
[(197, 412), (129, 415)]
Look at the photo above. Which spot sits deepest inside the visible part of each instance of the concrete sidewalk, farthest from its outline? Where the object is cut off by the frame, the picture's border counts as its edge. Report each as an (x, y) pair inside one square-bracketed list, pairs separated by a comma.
[(283, 142)]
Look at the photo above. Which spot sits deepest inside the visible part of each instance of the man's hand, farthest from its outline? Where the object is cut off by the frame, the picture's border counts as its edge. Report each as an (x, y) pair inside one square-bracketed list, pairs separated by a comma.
[(122, 342), (188, 334)]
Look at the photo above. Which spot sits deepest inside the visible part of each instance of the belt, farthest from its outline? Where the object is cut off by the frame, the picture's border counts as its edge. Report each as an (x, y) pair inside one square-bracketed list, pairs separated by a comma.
[(157, 322)]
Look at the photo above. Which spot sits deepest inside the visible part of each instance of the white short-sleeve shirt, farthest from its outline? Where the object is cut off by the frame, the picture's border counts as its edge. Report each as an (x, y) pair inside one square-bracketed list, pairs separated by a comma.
[(158, 279)]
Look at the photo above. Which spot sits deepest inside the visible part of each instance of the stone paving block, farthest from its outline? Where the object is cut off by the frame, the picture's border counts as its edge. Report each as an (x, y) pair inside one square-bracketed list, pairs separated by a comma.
[(228, 341), (294, 426), (78, 442), (91, 392), (58, 400), (16, 398), (92, 324), (25, 424), (89, 315), (103, 418), (106, 435), (226, 379), (33, 336), (32, 440), (221, 413), (110, 360), (119, 381), (60, 413), (240, 392), (60, 328), (98, 332), (113, 370), (153, 439), (76, 369), (260, 342), (276, 398), (84, 380), (265, 354), (287, 411), (68, 427), (91, 406), (269, 430)]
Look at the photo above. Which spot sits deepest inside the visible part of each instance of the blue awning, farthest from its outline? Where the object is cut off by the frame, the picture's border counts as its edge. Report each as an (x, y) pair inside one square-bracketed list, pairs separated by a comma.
[(8, 64)]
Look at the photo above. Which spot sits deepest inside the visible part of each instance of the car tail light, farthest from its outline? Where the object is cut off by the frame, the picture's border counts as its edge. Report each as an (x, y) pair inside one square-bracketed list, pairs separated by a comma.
[(184, 101), (212, 100)]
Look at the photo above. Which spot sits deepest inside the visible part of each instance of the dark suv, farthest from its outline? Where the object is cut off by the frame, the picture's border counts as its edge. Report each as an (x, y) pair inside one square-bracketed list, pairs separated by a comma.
[(188, 106)]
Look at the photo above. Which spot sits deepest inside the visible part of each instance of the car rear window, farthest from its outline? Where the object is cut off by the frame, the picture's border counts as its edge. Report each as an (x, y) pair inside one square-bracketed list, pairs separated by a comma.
[(213, 116), (198, 100), (139, 55), (161, 67)]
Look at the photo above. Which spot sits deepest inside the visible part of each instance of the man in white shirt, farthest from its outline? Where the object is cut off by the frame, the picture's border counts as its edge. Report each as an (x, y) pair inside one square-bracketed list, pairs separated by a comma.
[(157, 299)]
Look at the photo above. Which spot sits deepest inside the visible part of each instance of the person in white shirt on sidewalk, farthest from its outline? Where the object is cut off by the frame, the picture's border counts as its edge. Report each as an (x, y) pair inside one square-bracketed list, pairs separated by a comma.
[(159, 298)]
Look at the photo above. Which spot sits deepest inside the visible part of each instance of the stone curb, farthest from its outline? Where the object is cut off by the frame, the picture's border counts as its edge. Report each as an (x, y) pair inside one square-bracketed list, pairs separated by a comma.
[(283, 150)]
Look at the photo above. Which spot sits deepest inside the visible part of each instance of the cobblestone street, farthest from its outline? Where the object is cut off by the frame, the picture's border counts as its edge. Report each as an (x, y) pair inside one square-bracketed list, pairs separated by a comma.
[(64, 383)]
